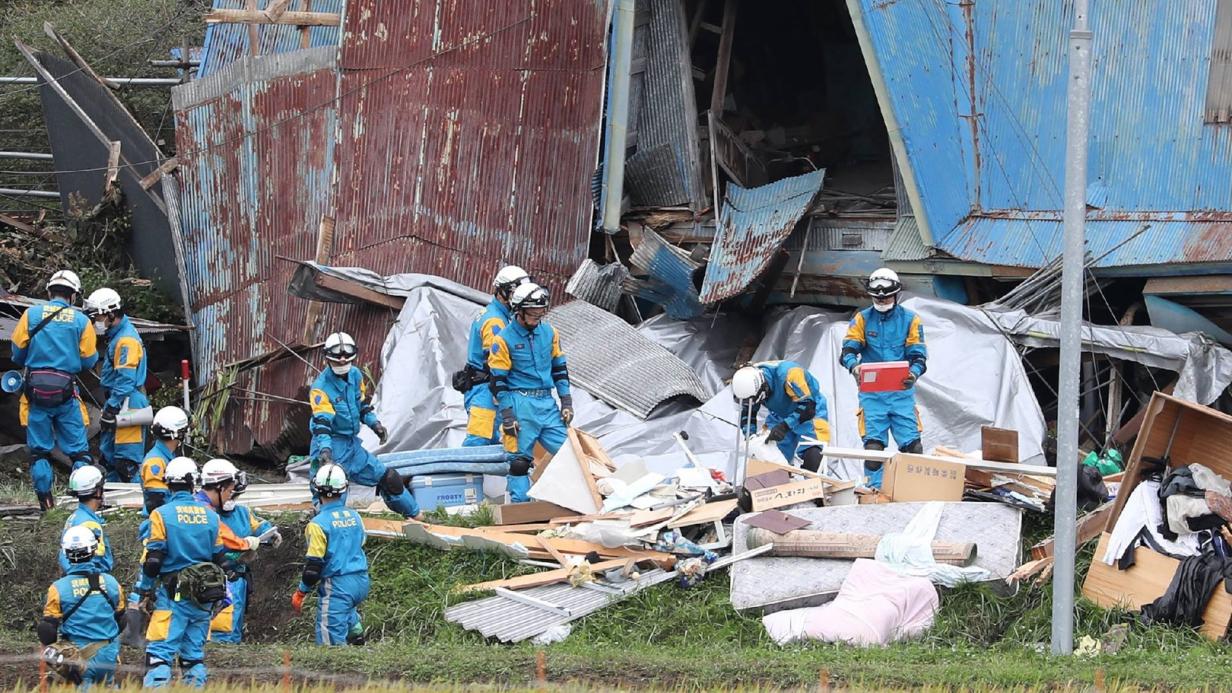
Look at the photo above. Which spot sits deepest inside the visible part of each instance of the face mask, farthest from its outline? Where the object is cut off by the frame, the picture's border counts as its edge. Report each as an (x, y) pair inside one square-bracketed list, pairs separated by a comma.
[(228, 506), (100, 328), (342, 369), (884, 308)]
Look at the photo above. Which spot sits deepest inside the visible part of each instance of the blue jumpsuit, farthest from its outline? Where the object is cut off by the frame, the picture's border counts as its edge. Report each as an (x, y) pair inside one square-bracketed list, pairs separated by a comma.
[(85, 517), (335, 540), (94, 621), (876, 337), (794, 398), (153, 489), (67, 344), (481, 423), (228, 625), (339, 406), (525, 365), (123, 379), (188, 533)]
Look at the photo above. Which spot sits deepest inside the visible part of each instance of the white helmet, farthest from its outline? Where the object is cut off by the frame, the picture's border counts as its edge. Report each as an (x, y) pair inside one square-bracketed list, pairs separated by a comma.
[(330, 480), (86, 482), (884, 283), (67, 279), (102, 301), (749, 383), (528, 295), (509, 278), (181, 470), (218, 472), (170, 422), (79, 544), (340, 347)]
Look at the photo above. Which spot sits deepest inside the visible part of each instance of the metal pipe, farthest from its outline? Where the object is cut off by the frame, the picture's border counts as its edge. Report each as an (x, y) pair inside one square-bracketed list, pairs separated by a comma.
[(38, 156), (175, 63), (1078, 112), (125, 81), (13, 192), (618, 115)]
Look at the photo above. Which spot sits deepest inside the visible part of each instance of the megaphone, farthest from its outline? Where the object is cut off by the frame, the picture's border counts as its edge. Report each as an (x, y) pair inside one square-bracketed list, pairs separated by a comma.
[(11, 382)]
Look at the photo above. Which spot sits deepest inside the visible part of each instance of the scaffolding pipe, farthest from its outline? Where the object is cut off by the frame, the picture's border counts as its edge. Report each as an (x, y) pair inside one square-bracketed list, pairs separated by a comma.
[(36, 156), (123, 81), (14, 192)]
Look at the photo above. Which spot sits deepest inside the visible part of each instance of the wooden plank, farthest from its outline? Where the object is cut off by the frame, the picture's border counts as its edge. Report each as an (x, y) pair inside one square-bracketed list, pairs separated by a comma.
[(325, 244), (998, 444), (584, 463), (547, 577), (113, 166), (362, 293), (1090, 526), (276, 9), (723, 63), (644, 518), (704, 514), (150, 180), (595, 449), (75, 57), (563, 545), (517, 529), (762, 466), (556, 555), (17, 224), (250, 16), (254, 32), (522, 513), (884, 456), (1145, 582)]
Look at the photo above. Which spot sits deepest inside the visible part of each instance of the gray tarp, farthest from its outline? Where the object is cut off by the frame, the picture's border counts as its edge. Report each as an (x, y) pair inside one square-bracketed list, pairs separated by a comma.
[(974, 377)]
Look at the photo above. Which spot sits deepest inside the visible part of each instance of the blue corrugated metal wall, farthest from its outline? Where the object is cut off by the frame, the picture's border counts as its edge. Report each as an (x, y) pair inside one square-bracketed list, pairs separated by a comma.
[(1151, 156), (226, 43)]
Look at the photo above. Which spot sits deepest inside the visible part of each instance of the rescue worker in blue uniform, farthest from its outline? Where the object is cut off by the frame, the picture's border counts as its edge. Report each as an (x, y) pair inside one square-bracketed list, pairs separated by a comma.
[(526, 362), (169, 429), (123, 379), (340, 405), (86, 484), (334, 564), (184, 534), (84, 610), (883, 332), (54, 342), (797, 408), (221, 483), (474, 379)]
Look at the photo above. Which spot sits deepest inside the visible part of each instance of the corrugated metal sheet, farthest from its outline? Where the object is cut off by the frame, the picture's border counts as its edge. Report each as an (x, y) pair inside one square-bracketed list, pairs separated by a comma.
[(81, 152), (614, 362), (666, 168), (256, 144), (1151, 155), (468, 135), (598, 284), (227, 43), (905, 244), (669, 276), (752, 227)]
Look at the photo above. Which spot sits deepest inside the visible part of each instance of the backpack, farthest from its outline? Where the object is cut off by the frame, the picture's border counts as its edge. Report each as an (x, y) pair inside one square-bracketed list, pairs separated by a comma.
[(203, 583)]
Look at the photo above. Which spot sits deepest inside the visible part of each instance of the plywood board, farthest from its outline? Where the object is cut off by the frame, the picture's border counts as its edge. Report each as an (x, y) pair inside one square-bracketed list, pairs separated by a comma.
[(705, 514), (1145, 582), (998, 444), (566, 484), (771, 583), (532, 511)]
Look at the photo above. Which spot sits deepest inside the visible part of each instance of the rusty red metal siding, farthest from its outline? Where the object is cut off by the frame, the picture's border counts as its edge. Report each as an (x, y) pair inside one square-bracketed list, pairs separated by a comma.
[(468, 134)]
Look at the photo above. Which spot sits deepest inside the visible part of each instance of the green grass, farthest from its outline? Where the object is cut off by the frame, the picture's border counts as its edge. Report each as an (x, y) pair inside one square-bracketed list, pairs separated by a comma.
[(661, 637)]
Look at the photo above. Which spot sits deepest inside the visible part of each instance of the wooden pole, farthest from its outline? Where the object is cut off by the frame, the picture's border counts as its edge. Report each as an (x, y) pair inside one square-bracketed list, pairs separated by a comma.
[(251, 16), (814, 544)]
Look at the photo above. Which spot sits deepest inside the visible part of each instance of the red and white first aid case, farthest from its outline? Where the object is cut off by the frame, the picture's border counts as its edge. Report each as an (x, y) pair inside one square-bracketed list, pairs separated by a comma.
[(883, 377)]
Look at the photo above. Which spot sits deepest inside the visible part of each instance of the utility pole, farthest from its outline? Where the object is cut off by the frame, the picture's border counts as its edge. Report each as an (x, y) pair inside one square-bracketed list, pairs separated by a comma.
[(1077, 122)]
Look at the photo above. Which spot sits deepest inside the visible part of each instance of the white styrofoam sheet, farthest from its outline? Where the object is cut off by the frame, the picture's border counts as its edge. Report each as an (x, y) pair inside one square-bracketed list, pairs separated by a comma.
[(773, 583)]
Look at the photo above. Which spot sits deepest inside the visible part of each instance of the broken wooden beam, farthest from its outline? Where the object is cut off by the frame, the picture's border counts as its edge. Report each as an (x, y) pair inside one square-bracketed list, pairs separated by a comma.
[(75, 57), (153, 177), (260, 17), (532, 511), (810, 543), (358, 291), (1089, 527), (547, 577)]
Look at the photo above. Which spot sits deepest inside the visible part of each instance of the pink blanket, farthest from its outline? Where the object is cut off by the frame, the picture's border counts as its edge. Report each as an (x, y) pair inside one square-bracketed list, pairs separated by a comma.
[(875, 606)]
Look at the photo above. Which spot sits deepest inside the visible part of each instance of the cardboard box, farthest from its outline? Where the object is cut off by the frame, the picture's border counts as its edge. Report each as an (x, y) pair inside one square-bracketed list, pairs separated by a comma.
[(784, 495), (883, 377), (919, 478)]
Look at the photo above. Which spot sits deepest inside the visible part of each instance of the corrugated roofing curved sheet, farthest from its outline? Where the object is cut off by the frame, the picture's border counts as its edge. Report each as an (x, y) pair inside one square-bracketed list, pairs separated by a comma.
[(613, 361)]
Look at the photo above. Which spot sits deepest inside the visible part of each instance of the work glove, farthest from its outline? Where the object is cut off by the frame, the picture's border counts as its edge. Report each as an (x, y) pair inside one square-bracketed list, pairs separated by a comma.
[(147, 602), (777, 433), (382, 433), (297, 601), (855, 371), (566, 408), (254, 543), (325, 456), (276, 539), (509, 425), (909, 380), (107, 421)]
